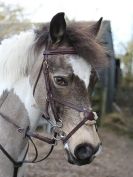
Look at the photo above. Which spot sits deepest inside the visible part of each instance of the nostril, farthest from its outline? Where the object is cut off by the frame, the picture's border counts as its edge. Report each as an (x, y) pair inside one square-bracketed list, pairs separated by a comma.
[(83, 151)]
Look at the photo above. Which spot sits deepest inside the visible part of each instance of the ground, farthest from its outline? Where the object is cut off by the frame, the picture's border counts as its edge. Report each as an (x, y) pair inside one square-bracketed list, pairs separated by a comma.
[(116, 160)]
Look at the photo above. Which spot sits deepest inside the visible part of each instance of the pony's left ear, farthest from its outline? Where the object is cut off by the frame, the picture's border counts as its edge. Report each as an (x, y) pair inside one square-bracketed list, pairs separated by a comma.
[(94, 29), (57, 27)]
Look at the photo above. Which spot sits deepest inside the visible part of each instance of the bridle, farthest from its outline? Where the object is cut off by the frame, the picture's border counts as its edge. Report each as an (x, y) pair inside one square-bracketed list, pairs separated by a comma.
[(51, 100)]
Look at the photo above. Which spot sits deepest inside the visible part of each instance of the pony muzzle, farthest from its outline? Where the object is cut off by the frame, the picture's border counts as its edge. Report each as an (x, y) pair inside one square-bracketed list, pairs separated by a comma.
[(83, 154)]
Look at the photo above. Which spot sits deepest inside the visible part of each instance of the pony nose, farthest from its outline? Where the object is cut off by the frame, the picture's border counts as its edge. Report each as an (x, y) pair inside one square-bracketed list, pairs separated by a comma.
[(83, 151)]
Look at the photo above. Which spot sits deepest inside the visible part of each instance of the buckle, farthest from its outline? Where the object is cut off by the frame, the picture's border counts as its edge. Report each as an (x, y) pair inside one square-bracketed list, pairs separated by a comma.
[(60, 135), (23, 131)]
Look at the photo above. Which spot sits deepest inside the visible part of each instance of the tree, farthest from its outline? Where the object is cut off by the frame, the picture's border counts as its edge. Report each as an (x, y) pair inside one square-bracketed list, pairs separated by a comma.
[(11, 13), (127, 61), (12, 21)]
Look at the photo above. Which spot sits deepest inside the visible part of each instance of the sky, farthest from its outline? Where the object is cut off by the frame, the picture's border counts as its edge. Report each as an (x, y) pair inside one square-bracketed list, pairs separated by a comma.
[(119, 12)]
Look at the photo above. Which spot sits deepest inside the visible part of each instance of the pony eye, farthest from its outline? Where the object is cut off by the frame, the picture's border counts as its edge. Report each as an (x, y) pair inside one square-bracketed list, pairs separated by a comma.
[(60, 81)]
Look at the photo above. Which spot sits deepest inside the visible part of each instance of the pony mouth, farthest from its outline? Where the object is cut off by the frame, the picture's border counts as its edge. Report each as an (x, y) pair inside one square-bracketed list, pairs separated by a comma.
[(72, 160)]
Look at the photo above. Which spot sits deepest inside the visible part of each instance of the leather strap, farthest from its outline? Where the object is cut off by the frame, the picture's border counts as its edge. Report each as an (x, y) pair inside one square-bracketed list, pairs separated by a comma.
[(16, 164), (89, 117)]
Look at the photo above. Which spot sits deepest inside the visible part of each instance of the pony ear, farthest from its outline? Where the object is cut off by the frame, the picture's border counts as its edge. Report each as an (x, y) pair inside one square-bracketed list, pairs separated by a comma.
[(94, 29), (57, 27)]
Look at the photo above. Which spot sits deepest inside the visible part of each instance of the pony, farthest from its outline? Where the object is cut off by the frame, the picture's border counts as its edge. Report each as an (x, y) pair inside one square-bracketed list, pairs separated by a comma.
[(23, 100)]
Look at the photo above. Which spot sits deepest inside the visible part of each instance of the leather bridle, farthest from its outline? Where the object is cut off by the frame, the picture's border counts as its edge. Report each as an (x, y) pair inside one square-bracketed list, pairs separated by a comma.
[(51, 100)]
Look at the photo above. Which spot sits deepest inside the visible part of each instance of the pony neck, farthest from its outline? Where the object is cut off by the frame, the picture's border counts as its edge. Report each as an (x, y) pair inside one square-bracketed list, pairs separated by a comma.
[(16, 58), (24, 91)]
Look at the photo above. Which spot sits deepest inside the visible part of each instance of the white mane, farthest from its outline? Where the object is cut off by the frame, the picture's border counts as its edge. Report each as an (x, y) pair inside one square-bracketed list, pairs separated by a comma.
[(14, 57)]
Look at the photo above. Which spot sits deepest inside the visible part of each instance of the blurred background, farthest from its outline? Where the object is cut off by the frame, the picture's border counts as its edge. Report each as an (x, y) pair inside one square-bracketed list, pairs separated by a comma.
[(113, 95)]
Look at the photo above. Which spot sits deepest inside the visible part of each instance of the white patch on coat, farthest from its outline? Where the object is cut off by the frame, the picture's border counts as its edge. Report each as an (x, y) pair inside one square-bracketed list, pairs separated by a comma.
[(24, 91), (81, 68), (14, 58)]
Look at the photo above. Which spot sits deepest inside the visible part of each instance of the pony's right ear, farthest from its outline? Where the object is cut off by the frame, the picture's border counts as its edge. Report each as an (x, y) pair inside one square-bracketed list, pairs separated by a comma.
[(57, 27), (94, 29)]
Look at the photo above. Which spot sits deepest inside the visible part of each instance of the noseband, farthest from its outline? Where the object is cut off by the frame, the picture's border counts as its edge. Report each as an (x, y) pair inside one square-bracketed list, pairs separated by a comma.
[(51, 100)]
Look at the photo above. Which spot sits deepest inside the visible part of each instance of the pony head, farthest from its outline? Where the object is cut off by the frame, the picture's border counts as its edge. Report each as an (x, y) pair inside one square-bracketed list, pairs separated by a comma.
[(70, 76)]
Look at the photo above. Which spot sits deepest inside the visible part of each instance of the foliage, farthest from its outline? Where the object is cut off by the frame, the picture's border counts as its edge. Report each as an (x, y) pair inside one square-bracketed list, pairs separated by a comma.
[(127, 63), (12, 20), (10, 14)]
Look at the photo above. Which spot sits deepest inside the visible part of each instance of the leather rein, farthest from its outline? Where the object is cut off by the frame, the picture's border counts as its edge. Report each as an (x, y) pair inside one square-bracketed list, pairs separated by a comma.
[(51, 100)]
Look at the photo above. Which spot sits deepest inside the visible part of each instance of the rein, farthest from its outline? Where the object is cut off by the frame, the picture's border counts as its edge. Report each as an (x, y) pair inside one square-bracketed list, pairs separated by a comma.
[(51, 100)]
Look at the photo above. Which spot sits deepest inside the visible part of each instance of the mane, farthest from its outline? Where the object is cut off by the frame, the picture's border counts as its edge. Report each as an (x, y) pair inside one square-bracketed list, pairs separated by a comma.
[(17, 53), (86, 45), (82, 40), (14, 57)]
